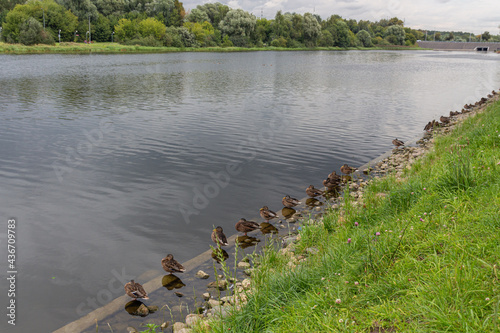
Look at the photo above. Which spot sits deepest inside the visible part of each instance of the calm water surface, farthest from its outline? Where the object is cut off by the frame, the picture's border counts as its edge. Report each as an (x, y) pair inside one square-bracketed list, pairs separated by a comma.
[(109, 162)]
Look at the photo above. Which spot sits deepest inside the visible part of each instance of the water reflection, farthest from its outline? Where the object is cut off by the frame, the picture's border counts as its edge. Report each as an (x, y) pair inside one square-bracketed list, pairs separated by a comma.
[(288, 212), (219, 255), (312, 202), (137, 308), (171, 282), (246, 241), (268, 228)]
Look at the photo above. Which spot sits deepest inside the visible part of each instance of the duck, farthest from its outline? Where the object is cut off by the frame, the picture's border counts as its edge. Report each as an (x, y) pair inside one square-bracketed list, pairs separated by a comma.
[(267, 214), (246, 226), (171, 265), (218, 237), (313, 192), (289, 202), (444, 120), (347, 169), (398, 143), (135, 290)]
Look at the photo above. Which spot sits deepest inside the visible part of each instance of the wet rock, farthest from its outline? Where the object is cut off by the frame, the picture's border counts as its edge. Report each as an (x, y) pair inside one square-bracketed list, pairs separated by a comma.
[(221, 285), (220, 311), (291, 220), (202, 275), (152, 308), (244, 265), (164, 325), (206, 296), (178, 294), (142, 310), (317, 209)]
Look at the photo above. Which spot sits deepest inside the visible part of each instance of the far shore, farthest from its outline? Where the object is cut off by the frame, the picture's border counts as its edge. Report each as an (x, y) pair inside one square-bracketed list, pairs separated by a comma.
[(108, 48)]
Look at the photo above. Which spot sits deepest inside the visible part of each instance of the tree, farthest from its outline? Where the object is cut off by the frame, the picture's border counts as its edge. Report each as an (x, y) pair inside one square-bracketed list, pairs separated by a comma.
[(215, 11), (198, 15), (238, 23), (151, 27), (204, 33), (126, 29), (312, 29), (437, 36), (365, 38), (31, 32), (177, 16), (56, 18), (395, 34), (326, 38), (160, 9), (486, 35)]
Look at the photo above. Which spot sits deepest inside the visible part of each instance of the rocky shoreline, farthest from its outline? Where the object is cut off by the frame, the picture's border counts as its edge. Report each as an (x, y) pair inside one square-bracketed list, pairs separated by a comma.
[(395, 163)]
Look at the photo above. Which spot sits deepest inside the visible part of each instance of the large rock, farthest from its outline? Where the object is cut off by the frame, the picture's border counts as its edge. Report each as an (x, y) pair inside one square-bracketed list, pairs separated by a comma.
[(221, 285), (192, 319), (202, 275)]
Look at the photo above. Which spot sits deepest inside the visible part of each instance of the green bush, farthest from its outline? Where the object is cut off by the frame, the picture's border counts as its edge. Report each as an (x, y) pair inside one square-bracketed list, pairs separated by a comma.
[(31, 32)]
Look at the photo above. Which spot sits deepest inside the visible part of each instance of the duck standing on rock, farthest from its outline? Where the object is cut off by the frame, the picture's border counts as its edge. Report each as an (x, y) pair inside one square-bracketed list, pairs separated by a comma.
[(267, 214), (246, 226), (289, 202), (444, 120), (347, 169), (332, 181), (218, 237), (313, 192), (398, 143), (135, 290), (170, 265)]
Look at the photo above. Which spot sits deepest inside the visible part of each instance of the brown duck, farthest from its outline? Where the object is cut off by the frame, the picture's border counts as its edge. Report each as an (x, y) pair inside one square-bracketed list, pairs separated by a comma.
[(135, 290), (218, 237), (289, 202), (398, 143), (246, 226), (313, 192), (444, 120), (347, 169), (267, 214), (171, 265)]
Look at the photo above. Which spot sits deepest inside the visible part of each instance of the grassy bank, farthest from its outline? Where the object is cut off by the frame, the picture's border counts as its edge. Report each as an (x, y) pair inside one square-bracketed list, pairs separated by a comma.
[(419, 253), (79, 48)]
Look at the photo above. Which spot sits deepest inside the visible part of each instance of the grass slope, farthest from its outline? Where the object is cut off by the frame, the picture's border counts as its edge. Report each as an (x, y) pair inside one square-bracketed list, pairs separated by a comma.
[(424, 256), (72, 48)]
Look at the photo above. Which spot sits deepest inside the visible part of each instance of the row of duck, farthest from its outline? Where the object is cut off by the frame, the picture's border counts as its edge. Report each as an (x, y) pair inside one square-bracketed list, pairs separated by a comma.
[(332, 184)]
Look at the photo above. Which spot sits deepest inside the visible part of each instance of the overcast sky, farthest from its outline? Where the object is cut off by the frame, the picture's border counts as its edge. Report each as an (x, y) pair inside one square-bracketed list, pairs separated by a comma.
[(448, 15)]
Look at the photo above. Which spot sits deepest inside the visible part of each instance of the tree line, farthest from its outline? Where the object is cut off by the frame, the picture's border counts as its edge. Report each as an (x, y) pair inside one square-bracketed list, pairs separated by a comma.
[(167, 23)]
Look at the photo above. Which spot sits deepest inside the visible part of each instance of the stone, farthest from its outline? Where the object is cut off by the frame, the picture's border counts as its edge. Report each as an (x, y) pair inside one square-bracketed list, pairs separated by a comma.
[(317, 209), (179, 326), (206, 296), (152, 308), (248, 271), (290, 220), (142, 310), (287, 240), (246, 283), (178, 294), (244, 265), (213, 302), (202, 275), (221, 285), (192, 319)]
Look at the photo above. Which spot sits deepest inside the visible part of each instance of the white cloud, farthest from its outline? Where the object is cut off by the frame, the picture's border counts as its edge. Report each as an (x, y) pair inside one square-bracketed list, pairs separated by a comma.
[(457, 15)]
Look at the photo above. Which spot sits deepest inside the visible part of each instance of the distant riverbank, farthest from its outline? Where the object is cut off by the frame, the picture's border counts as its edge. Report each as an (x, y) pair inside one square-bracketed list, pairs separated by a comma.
[(79, 48)]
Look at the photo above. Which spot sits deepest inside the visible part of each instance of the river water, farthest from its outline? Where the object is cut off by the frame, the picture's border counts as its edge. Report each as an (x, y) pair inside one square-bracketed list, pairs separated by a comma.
[(109, 162)]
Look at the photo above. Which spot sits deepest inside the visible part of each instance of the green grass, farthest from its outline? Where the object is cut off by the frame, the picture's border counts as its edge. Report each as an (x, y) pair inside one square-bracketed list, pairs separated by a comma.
[(433, 268), (72, 48)]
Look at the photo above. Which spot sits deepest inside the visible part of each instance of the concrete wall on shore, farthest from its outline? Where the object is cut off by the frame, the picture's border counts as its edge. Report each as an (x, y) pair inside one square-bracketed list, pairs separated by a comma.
[(459, 46)]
